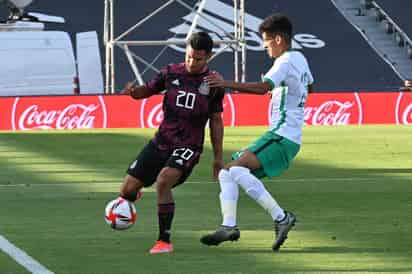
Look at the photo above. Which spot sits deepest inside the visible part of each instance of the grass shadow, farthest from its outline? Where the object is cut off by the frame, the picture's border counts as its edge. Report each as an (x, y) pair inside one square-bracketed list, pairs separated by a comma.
[(335, 190)]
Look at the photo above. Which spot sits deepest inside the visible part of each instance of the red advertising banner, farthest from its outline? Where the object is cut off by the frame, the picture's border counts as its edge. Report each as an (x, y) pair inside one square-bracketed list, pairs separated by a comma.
[(403, 110), (326, 109), (58, 113), (119, 111)]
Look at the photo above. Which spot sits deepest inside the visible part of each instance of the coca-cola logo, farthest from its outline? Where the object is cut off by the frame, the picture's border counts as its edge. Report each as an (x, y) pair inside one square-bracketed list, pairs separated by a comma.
[(151, 112), (404, 109), (83, 112), (333, 110), (229, 111)]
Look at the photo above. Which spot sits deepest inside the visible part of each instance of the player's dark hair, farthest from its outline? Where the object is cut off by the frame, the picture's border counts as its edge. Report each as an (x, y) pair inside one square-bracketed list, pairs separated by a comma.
[(277, 24), (201, 41)]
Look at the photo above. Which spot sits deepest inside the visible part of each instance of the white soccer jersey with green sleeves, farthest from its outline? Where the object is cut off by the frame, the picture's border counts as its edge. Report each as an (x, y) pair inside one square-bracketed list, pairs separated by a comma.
[(289, 77)]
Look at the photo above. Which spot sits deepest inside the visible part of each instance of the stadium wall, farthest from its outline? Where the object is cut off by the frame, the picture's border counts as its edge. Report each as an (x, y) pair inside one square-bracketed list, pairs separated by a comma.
[(340, 58), (119, 111)]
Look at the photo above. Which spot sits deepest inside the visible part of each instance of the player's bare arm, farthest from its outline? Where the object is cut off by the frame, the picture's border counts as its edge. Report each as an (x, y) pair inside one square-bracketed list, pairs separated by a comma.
[(216, 138), (251, 87), (136, 92)]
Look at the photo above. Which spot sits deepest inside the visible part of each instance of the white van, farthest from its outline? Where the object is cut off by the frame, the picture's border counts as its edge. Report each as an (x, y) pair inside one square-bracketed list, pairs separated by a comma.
[(39, 62)]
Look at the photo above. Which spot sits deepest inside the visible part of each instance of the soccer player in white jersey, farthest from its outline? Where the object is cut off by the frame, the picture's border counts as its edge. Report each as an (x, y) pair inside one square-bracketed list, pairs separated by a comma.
[(289, 80)]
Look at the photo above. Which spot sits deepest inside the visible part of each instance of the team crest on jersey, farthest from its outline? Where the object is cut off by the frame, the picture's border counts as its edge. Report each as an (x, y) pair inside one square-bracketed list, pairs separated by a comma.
[(176, 82), (204, 88)]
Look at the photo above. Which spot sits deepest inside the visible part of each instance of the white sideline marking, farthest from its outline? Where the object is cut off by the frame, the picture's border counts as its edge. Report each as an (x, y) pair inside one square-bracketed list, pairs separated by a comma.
[(201, 182), (22, 257)]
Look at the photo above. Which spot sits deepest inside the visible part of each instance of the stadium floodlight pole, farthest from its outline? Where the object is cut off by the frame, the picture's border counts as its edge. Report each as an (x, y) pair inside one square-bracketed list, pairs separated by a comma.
[(236, 47), (205, 18), (106, 22), (169, 42), (220, 51), (108, 38), (106, 44), (242, 39), (197, 12), (140, 59), (112, 69), (194, 23), (133, 65), (138, 24)]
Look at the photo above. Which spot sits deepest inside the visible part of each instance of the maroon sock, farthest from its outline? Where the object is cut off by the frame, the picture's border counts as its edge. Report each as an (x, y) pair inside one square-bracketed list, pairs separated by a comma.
[(165, 214)]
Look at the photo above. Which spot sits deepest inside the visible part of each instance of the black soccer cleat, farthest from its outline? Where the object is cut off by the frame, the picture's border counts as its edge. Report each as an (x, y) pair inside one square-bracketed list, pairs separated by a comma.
[(282, 229), (222, 234)]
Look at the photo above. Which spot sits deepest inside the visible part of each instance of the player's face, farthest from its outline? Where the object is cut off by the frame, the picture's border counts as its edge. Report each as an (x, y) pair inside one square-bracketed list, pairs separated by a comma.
[(196, 60), (274, 44)]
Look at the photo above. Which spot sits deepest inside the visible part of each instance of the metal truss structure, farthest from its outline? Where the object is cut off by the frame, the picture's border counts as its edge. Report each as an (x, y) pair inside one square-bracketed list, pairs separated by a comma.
[(235, 41)]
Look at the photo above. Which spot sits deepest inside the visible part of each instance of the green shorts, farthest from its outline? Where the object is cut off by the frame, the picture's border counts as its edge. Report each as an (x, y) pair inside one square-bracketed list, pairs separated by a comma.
[(274, 153)]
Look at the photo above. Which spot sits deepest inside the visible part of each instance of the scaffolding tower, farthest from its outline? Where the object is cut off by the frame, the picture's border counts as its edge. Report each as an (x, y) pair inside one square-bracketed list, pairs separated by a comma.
[(236, 40)]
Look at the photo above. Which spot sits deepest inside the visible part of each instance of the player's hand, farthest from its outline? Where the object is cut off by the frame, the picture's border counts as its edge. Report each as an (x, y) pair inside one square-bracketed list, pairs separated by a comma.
[(405, 89), (217, 166), (214, 80), (128, 89), (407, 86)]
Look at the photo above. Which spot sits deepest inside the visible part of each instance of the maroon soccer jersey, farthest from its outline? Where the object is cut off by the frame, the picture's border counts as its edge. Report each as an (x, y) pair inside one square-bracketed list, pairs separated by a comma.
[(187, 106)]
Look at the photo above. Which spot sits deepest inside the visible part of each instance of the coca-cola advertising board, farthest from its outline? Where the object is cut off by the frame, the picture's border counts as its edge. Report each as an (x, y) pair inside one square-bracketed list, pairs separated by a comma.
[(58, 113), (120, 111), (337, 109), (403, 109)]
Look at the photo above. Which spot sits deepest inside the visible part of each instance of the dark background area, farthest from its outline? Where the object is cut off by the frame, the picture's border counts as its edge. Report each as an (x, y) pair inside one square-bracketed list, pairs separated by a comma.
[(345, 63), (400, 11)]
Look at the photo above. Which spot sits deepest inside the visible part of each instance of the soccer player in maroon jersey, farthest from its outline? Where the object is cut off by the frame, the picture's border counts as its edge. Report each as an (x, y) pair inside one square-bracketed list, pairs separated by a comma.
[(168, 158)]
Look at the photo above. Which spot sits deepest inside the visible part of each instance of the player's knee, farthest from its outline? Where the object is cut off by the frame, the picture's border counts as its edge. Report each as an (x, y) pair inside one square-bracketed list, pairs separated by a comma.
[(250, 184), (236, 172), (130, 188), (162, 185), (223, 176)]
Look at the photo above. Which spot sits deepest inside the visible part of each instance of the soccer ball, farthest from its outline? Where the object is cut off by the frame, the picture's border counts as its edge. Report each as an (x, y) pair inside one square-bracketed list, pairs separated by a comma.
[(120, 214)]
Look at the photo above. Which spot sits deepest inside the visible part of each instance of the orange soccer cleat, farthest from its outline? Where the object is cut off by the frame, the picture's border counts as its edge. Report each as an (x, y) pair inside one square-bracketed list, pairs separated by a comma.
[(161, 247)]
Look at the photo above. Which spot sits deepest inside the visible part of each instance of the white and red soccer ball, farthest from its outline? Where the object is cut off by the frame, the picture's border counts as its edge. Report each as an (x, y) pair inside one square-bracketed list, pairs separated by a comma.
[(120, 214)]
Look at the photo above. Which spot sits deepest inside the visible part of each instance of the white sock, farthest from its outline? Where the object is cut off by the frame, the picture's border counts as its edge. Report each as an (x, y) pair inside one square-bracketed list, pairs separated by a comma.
[(229, 194), (257, 191)]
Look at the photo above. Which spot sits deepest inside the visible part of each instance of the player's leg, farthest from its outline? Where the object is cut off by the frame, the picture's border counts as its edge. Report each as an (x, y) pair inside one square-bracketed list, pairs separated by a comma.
[(177, 169), (130, 189), (228, 200), (283, 220), (240, 172), (142, 172), (228, 196), (167, 178), (268, 156)]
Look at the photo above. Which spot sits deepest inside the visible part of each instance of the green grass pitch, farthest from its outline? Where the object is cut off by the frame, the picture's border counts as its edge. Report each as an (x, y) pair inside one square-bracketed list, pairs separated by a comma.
[(351, 188)]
